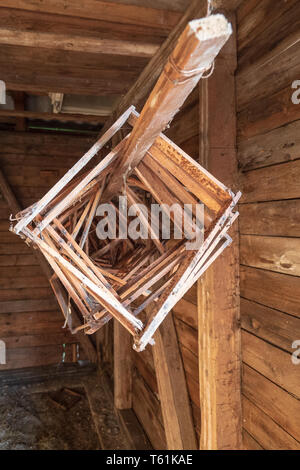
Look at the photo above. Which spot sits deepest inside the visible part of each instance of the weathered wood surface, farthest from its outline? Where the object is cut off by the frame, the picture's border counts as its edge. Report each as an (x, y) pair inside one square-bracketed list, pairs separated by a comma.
[(62, 117), (283, 408), (271, 325), (275, 290), (100, 10), (122, 368), (278, 254), (265, 430), (173, 394), (277, 146), (271, 218)]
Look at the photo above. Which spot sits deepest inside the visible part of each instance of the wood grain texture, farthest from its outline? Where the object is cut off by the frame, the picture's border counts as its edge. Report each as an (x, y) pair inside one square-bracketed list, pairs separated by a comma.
[(271, 183), (272, 362), (177, 416), (265, 430), (274, 290), (277, 146), (272, 325), (283, 408), (278, 254), (274, 218)]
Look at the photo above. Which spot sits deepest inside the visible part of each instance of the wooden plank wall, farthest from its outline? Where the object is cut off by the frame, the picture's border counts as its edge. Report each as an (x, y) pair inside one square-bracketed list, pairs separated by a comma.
[(269, 151), (30, 319), (146, 404)]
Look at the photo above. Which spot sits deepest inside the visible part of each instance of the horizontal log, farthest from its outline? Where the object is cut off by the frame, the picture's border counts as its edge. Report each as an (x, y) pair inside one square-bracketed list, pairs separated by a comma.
[(264, 430), (78, 26), (95, 45), (269, 324), (274, 290), (33, 341), (38, 356), (62, 117), (278, 254), (71, 62), (26, 293), (261, 80), (18, 260), (43, 144), (271, 362), (275, 218), (101, 10), (263, 27), (50, 79), (16, 306), (271, 183), (268, 113), (31, 323), (12, 272), (20, 283), (277, 146), (279, 405)]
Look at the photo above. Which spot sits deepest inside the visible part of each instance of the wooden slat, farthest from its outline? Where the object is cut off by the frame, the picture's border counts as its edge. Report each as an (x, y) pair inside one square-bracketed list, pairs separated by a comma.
[(147, 408), (274, 290), (276, 218), (257, 82), (273, 253), (271, 362), (277, 146), (265, 431), (269, 324), (282, 407), (272, 183), (79, 43), (261, 27), (173, 393), (101, 10), (268, 113), (38, 356), (62, 117)]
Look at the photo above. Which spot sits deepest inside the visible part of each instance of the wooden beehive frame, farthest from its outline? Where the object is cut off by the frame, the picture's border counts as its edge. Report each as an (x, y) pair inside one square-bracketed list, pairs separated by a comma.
[(121, 278)]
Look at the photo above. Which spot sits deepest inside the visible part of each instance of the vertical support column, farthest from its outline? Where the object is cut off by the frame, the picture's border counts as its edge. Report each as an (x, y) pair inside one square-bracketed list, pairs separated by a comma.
[(173, 394), (218, 288), (122, 367)]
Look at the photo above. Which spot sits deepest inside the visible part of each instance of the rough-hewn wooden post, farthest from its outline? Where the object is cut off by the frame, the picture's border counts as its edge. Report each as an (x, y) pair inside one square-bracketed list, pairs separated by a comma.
[(218, 288)]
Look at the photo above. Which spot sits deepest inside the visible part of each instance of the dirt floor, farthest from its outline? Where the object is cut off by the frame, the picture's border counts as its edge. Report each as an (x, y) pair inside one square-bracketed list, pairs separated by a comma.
[(59, 414)]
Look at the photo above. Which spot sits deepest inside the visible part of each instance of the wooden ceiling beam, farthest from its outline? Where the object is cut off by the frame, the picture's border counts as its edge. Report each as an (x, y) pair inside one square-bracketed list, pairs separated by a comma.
[(63, 117), (101, 10), (95, 45)]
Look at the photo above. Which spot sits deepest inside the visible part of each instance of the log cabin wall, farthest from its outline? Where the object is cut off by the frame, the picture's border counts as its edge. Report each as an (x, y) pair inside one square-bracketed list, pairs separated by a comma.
[(268, 149), (30, 319)]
